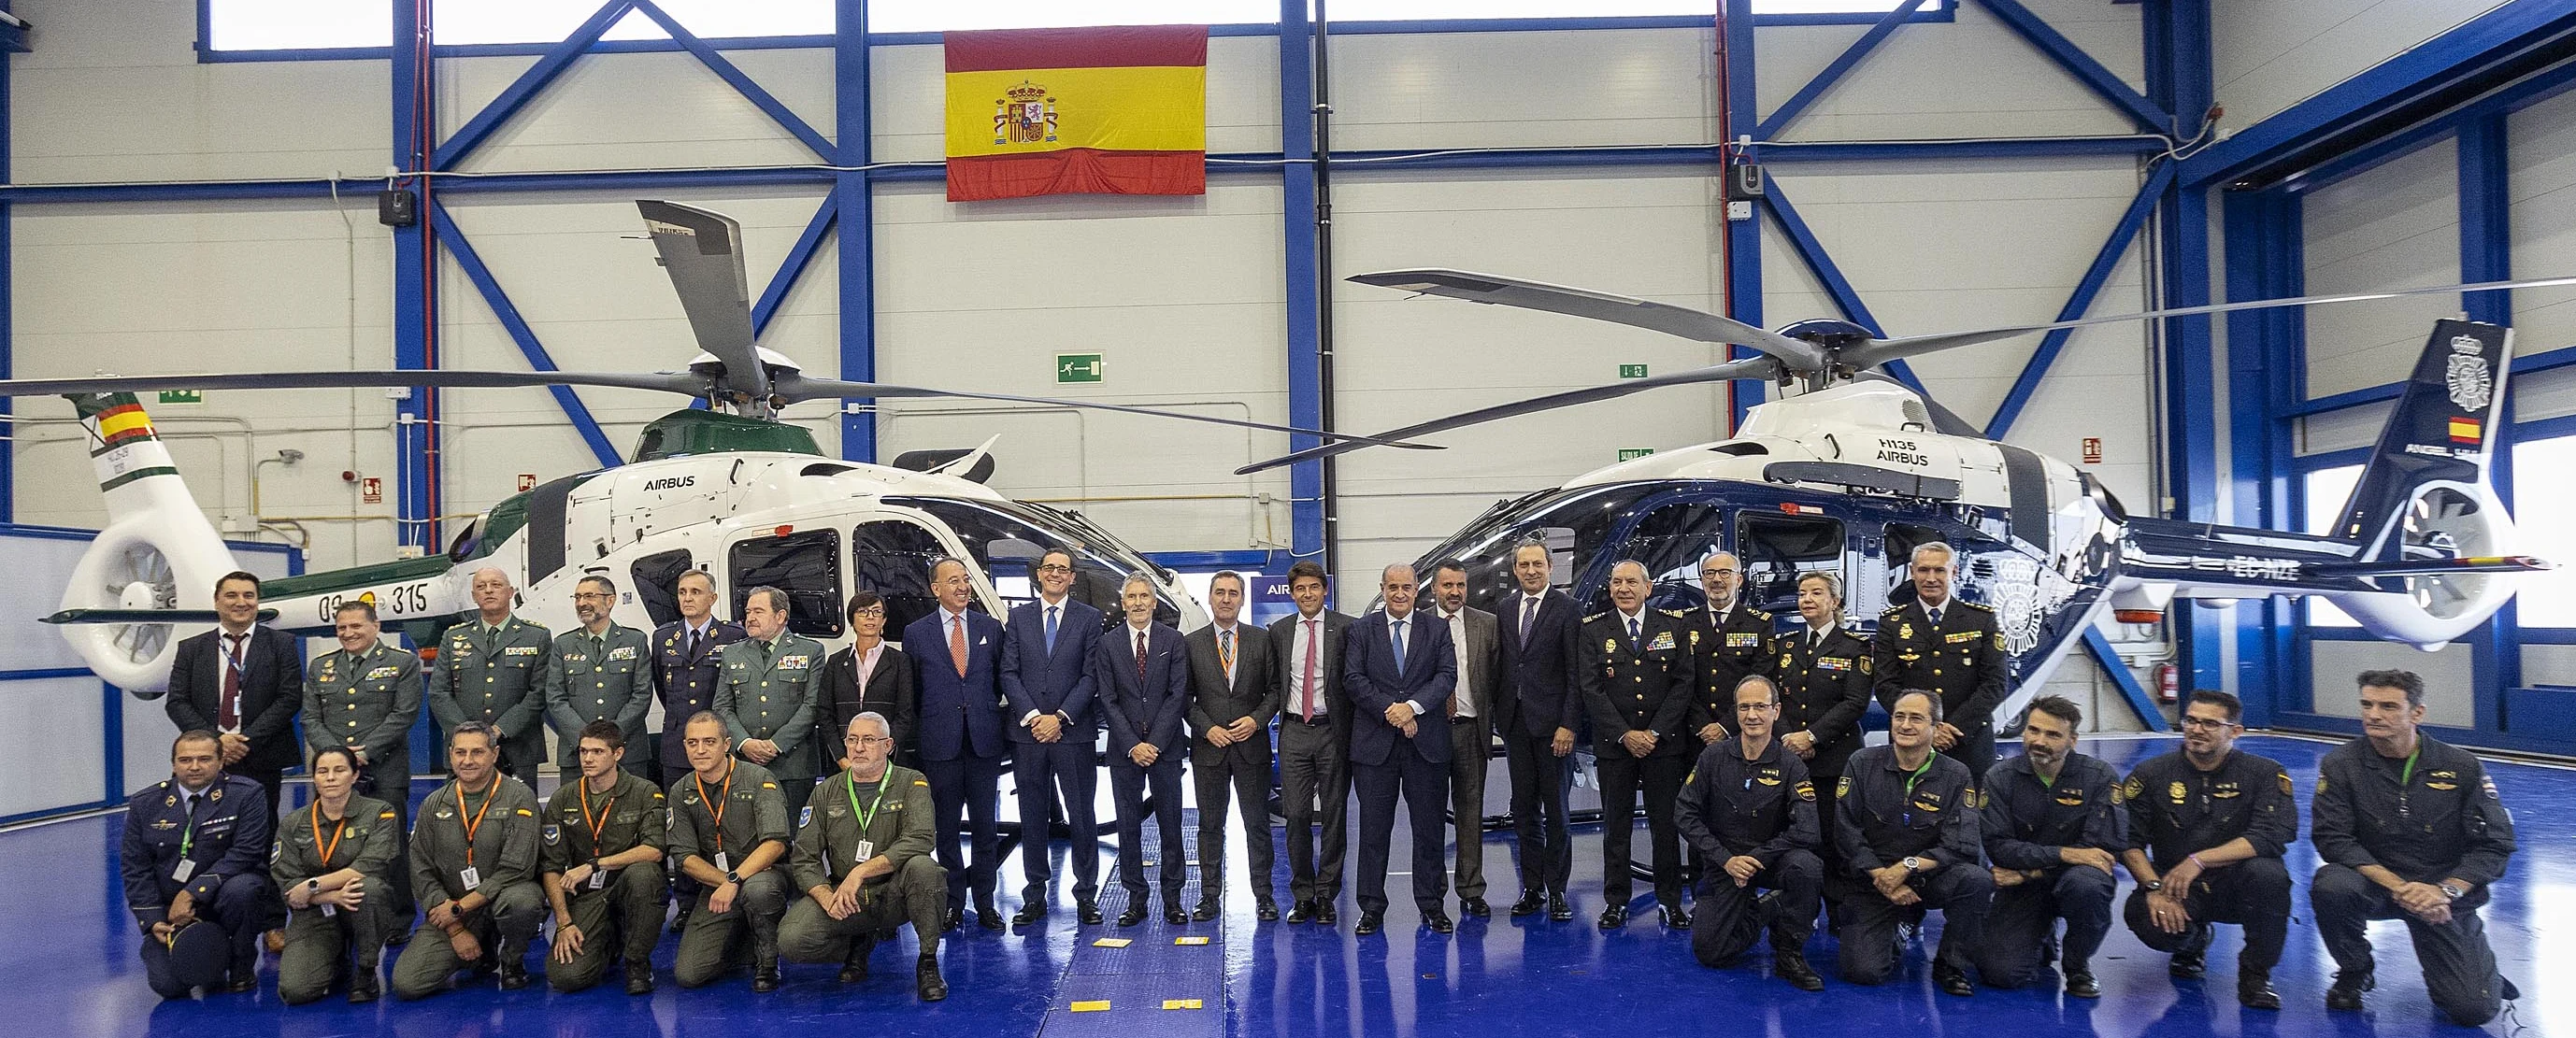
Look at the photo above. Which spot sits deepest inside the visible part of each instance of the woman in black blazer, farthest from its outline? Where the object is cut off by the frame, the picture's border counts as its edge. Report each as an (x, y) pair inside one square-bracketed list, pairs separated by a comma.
[(887, 690)]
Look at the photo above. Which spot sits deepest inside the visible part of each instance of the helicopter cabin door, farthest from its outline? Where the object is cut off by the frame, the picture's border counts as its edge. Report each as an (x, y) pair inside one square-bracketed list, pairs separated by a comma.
[(1778, 547), (890, 555)]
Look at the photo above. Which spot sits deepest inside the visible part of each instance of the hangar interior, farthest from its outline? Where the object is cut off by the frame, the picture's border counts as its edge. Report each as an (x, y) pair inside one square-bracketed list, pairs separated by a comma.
[(185, 194)]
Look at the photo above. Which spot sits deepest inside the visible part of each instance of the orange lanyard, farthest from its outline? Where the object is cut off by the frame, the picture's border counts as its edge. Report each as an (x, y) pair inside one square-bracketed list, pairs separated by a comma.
[(475, 822), (596, 824), (715, 808), (333, 847)]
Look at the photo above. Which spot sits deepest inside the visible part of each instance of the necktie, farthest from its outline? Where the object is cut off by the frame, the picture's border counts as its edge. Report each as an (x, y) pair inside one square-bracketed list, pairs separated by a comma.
[(1935, 612), (1140, 657), (1529, 615), (1815, 639), (957, 643), (697, 641), (1306, 685), (1225, 654), (1050, 629), (1636, 635), (1395, 632), (228, 713)]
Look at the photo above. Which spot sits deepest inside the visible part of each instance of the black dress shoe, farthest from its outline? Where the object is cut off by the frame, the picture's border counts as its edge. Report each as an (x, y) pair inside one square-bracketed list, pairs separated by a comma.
[(2080, 984), (1952, 980), (1475, 906), (2257, 993), (764, 979), (1030, 912), (1205, 911), (1266, 911), (1300, 911), (2185, 966), (1614, 917), (1439, 922), (1089, 912), (2345, 995), (1531, 903), (363, 989), (988, 917), (1370, 922), (1675, 916), (1134, 914), (1172, 914), (514, 975), (1558, 910), (1793, 967), (243, 980), (639, 978), (956, 918), (927, 982), (854, 966), (1324, 914), (680, 919)]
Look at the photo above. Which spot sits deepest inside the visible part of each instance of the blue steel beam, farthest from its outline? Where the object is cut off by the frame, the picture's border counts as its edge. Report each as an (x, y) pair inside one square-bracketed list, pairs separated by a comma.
[(751, 91), (1829, 273), (793, 267), (2264, 261), (2086, 289), (2072, 58), (526, 88), (8, 311), (1790, 110), (855, 201), (538, 359), (2179, 78), (1307, 538), (2149, 712), (2486, 254), (417, 472), (1743, 97)]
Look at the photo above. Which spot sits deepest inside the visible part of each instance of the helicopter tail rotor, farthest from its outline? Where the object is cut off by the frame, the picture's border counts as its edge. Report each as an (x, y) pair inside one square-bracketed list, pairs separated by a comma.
[(158, 554)]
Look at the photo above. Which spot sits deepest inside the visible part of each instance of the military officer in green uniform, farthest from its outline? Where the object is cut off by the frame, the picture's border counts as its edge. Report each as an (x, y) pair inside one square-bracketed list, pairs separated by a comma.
[(364, 698), (864, 862), (1952, 648), (474, 861), (772, 679), (1641, 680), (494, 669), (334, 860), (729, 832), (601, 672), (603, 867), (1734, 641)]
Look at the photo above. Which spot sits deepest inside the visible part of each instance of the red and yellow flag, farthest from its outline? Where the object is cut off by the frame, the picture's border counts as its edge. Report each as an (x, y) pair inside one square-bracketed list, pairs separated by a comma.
[(1118, 110)]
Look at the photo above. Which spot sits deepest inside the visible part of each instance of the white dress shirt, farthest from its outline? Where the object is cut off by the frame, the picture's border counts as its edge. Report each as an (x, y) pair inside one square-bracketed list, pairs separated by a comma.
[(1464, 695), (1306, 627)]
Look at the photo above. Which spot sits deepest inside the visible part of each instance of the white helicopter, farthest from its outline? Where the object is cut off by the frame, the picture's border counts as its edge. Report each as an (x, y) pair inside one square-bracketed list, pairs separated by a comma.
[(728, 490)]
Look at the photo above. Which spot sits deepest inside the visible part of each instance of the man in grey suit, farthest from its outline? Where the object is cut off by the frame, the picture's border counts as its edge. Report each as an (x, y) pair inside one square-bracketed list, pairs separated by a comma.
[(1314, 744), (1477, 644), (1234, 692)]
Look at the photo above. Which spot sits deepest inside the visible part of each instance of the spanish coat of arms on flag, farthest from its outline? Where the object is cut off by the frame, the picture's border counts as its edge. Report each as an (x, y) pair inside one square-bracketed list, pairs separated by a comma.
[(1114, 110)]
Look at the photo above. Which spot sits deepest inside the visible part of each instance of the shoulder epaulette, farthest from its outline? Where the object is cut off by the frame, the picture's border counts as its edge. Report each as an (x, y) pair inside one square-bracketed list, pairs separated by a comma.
[(1977, 607), (1674, 613), (1760, 615), (1595, 616), (1893, 610)]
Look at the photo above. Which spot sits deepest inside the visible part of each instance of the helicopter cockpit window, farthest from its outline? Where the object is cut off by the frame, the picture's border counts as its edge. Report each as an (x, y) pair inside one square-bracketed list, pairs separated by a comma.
[(1006, 546), (1776, 549), (1671, 541), (657, 581), (892, 557), (806, 565)]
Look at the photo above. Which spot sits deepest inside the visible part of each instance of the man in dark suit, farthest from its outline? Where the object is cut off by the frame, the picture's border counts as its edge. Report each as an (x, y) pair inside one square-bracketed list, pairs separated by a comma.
[(1314, 744), (1949, 647), (1473, 641), (1400, 669), (959, 657), (243, 682), (1734, 641), (1143, 672), (1640, 681), (688, 667), (1537, 708), (1234, 691), (1046, 676)]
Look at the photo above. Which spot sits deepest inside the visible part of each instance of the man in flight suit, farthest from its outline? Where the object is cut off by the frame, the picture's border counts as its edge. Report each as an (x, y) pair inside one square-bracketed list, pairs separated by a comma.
[(2207, 827), (1749, 812), (2054, 827), (688, 664), (474, 861), (729, 830), (865, 864), (603, 866)]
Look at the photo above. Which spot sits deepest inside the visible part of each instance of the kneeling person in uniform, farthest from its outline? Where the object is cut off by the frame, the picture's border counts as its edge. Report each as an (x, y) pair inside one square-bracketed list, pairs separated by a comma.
[(1749, 811), (2207, 826), (191, 862), (863, 859), (603, 862), (337, 883), (2053, 827), (729, 833), (1908, 826), (474, 865), (2410, 828)]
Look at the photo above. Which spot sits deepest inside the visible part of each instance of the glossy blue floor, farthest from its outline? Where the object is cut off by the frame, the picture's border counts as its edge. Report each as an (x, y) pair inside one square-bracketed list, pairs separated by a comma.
[(68, 951)]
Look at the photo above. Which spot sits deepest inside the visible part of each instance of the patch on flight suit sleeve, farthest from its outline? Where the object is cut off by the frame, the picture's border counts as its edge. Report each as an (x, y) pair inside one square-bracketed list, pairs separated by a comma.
[(276, 850), (2133, 788), (924, 783), (805, 817), (2285, 782), (2321, 783), (2119, 795), (1843, 788), (1999, 641), (525, 813), (2485, 782), (1806, 790), (554, 835)]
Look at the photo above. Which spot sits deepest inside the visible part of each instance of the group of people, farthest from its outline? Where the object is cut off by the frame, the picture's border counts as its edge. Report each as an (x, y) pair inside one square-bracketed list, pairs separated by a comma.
[(1741, 743)]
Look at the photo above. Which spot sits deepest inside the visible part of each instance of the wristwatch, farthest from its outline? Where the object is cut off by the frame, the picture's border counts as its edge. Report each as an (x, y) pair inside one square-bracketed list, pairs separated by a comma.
[(1912, 863), (733, 877), (2451, 890), (2153, 884)]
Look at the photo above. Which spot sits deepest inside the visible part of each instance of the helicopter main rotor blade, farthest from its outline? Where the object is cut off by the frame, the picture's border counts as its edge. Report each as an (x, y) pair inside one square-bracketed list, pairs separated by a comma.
[(664, 381), (794, 387), (702, 251), (1695, 325), (1754, 367), (1880, 351)]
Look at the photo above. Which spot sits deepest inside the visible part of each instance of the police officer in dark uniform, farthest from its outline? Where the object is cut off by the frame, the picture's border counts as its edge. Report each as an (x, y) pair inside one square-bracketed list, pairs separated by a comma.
[(1949, 647), (2411, 829), (1749, 811), (495, 668), (2207, 827), (1908, 825), (364, 697), (1734, 640), (2054, 828), (1823, 671), (688, 664), (602, 860), (1640, 680), (194, 857)]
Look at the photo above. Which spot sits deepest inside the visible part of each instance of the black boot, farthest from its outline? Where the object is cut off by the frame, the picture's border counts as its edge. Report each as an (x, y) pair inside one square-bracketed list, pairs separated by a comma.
[(854, 966), (639, 976), (926, 980), (363, 988)]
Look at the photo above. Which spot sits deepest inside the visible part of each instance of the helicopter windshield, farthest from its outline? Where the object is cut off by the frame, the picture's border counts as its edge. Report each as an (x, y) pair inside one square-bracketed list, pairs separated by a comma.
[(1004, 539), (1485, 546)]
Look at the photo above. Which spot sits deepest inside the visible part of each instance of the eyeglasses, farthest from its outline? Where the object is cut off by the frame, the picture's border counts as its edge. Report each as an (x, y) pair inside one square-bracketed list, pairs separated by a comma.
[(1055, 568), (600, 595), (2206, 724), (877, 611), (865, 740), (1717, 572)]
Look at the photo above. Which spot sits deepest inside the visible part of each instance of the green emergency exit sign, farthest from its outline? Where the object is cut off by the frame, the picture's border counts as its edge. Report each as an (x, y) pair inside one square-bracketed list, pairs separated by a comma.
[(1634, 453), (1077, 367), (183, 396), (1632, 371)]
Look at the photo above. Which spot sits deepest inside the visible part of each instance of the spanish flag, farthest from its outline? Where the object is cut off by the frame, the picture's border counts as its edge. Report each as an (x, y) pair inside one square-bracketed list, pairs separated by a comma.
[(1117, 110), (2464, 430)]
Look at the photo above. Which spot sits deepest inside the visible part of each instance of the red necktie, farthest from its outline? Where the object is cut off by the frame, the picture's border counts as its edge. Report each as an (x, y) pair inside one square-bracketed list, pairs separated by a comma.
[(228, 712), (1140, 657), (957, 644), (1314, 638)]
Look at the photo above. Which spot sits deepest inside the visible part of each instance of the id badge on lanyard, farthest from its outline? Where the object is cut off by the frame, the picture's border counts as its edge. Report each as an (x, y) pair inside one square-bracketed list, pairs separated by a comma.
[(470, 877), (184, 870), (867, 849)]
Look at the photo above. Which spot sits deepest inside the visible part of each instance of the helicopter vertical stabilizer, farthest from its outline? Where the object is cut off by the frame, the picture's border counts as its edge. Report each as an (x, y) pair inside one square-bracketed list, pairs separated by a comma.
[(157, 551)]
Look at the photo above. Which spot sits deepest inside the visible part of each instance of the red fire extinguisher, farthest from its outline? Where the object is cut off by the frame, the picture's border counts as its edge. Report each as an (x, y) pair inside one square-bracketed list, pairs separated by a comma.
[(2168, 682)]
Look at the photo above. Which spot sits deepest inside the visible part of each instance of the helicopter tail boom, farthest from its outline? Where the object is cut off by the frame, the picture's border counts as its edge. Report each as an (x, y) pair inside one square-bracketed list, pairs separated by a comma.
[(156, 556)]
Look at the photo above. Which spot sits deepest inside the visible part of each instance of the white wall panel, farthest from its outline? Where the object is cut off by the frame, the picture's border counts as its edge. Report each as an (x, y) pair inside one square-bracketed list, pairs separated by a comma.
[(909, 91), (1973, 77), (1412, 90), (2542, 160), (2447, 699), (2271, 54), (2393, 226), (648, 110)]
